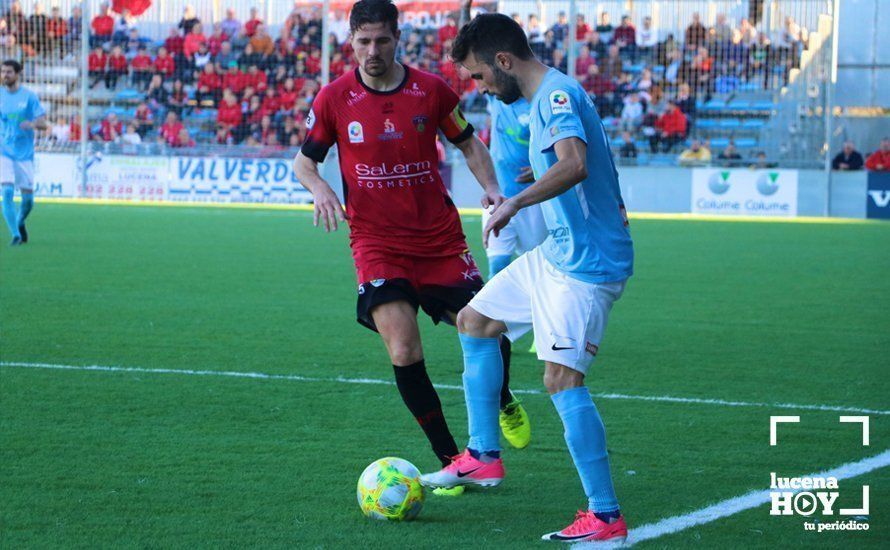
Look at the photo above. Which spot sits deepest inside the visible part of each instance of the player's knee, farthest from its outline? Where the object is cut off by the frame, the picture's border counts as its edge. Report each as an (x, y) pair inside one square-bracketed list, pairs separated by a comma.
[(559, 378), (473, 323), (404, 354)]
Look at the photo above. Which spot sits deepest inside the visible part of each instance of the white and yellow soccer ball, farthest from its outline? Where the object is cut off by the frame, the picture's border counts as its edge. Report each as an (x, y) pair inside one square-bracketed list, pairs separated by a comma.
[(389, 489)]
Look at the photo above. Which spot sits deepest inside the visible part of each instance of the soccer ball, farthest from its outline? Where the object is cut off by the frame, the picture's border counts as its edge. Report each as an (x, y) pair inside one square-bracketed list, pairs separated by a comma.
[(389, 489)]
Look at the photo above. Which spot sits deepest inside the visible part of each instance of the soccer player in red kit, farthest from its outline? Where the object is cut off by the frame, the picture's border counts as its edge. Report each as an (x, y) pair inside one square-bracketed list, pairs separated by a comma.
[(407, 242)]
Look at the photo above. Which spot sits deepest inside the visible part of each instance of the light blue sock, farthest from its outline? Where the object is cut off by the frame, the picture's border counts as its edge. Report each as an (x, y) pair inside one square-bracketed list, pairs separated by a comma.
[(586, 438), (496, 264), (483, 377), (25, 208), (9, 210)]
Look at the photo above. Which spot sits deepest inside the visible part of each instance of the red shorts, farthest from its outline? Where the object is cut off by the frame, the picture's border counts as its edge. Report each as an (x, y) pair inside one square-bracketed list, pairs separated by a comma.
[(437, 284)]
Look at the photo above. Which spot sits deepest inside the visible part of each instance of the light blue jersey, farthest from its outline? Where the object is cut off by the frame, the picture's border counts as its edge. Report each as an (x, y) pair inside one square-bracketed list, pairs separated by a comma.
[(16, 108), (509, 142), (589, 239)]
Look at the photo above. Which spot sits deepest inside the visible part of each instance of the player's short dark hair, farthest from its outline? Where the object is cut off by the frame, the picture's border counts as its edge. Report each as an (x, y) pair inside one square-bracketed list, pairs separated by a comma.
[(490, 33), (374, 11), (16, 66)]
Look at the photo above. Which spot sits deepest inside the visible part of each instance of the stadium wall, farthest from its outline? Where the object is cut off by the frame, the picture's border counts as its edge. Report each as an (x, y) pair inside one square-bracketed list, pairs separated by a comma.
[(667, 190)]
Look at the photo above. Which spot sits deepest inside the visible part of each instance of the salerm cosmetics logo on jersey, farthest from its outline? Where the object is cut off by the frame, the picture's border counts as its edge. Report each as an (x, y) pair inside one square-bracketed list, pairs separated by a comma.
[(391, 176)]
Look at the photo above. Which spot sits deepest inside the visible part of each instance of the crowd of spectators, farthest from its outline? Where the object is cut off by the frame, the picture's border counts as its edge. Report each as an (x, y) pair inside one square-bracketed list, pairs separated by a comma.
[(257, 89)]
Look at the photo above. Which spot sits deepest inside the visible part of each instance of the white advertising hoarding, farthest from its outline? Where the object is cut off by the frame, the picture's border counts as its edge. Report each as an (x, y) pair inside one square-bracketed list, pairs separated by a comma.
[(743, 192)]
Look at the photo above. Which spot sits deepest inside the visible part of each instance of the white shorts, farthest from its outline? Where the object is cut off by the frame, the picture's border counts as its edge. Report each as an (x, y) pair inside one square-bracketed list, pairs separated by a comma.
[(568, 316), (524, 232), (18, 172)]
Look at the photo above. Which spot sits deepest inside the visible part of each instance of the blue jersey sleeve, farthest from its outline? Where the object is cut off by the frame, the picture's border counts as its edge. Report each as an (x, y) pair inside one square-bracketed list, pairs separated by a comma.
[(561, 115), (35, 109)]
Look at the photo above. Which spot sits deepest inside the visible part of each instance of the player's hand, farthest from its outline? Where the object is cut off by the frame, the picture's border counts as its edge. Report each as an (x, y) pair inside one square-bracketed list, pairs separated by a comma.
[(526, 175), (26, 125), (492, 197), (328, 209), (500, 217)]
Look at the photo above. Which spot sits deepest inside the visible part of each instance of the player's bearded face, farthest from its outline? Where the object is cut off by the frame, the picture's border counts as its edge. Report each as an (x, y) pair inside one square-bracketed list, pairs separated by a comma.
[(7, 75), (375, 48), (506, 87)]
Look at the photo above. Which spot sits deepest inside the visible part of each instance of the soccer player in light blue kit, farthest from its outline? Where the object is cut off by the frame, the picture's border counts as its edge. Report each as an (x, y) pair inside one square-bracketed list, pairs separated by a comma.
[(564, 289), (20, 114)]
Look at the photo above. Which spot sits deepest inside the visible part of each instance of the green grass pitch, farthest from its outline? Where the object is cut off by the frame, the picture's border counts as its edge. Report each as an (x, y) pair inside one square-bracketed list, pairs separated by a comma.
[(751, 312)]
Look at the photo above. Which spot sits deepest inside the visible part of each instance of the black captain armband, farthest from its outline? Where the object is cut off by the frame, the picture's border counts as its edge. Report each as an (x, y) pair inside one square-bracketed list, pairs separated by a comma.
[(314, 150), (463, 136)]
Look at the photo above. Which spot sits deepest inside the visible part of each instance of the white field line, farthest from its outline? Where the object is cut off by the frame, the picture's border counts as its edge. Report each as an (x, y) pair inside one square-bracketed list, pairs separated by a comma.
[(345, 380), (741, 503)]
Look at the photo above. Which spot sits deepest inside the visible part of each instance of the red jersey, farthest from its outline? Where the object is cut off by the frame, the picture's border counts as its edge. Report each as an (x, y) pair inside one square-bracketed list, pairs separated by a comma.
[(96, 63), (142, 62), (117, 63), (229, 114), (211, 81), (103, 25), (395, 197), (165, 65)]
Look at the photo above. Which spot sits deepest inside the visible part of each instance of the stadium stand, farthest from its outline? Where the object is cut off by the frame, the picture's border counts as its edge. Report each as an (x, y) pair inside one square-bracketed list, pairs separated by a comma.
[(230, 82)]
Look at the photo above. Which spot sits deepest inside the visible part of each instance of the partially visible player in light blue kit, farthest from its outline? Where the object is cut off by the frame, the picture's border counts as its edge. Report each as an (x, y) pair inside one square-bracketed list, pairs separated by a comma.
[(20, 114), (564, 289), (509, 152)]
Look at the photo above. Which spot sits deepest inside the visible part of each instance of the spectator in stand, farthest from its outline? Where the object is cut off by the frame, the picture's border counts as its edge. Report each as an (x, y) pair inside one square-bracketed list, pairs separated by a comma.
[(696, 33), (265, 130), (448, 31), (117, 67), (848, 159), (601, 88), (164, 64), (226, 56), (625, 38), (721, 33), (122, 27), (37, 30), (288, 129), (156, 95), (228, 113), (202, 58), (670, 129), (183, 139), (252, 23), (17, 23), (170, 129), (60, 132), (749, 33), (143, 119), (234, 79), (761, 162), (142, 68), (583, 63), (131, 46), (131, 137), (582, 29), (96, 63), (730, 156), (188, 21), (111, 128), (685, 100), (209, 86), (177, 99), (194, 40), (256, 79), (560, 29), (174, 42), (56, 32), (215, 40), (271, 103), (605, 28), (628, 147), (230, 26), (612, 66), (672, 70), (533, 30), (597, 47), (224, 136), (75, 129), (73, 23), (632, 113), (248, 57), (261, 42), (647, 38), (879, 161), (696, 155), (102, 26)]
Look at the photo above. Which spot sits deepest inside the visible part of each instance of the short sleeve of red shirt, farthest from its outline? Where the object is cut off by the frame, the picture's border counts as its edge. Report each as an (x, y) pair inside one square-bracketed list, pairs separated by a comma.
[(321, 127), (451, 118)]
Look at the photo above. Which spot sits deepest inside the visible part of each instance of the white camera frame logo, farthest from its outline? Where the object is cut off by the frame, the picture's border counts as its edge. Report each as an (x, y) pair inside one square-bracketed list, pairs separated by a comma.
[(805, 495)]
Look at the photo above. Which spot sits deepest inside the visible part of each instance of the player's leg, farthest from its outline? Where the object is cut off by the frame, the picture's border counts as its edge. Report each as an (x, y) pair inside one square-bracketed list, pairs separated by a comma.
[(531, 231), (25, 179), (570, 318), (7, 181), (501, 308), (500, 247), (397, 324)]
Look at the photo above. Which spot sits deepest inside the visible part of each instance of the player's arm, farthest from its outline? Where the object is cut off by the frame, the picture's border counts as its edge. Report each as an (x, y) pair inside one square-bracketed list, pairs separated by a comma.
[(569, 170), (327, 204), (479, 162)]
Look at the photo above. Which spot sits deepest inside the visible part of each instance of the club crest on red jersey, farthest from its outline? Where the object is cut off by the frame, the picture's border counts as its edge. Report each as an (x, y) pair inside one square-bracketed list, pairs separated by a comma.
[(420, 123)]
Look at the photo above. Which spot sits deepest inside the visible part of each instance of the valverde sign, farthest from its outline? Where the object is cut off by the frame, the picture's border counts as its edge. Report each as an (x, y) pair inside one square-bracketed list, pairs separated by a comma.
[(744, 192)]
